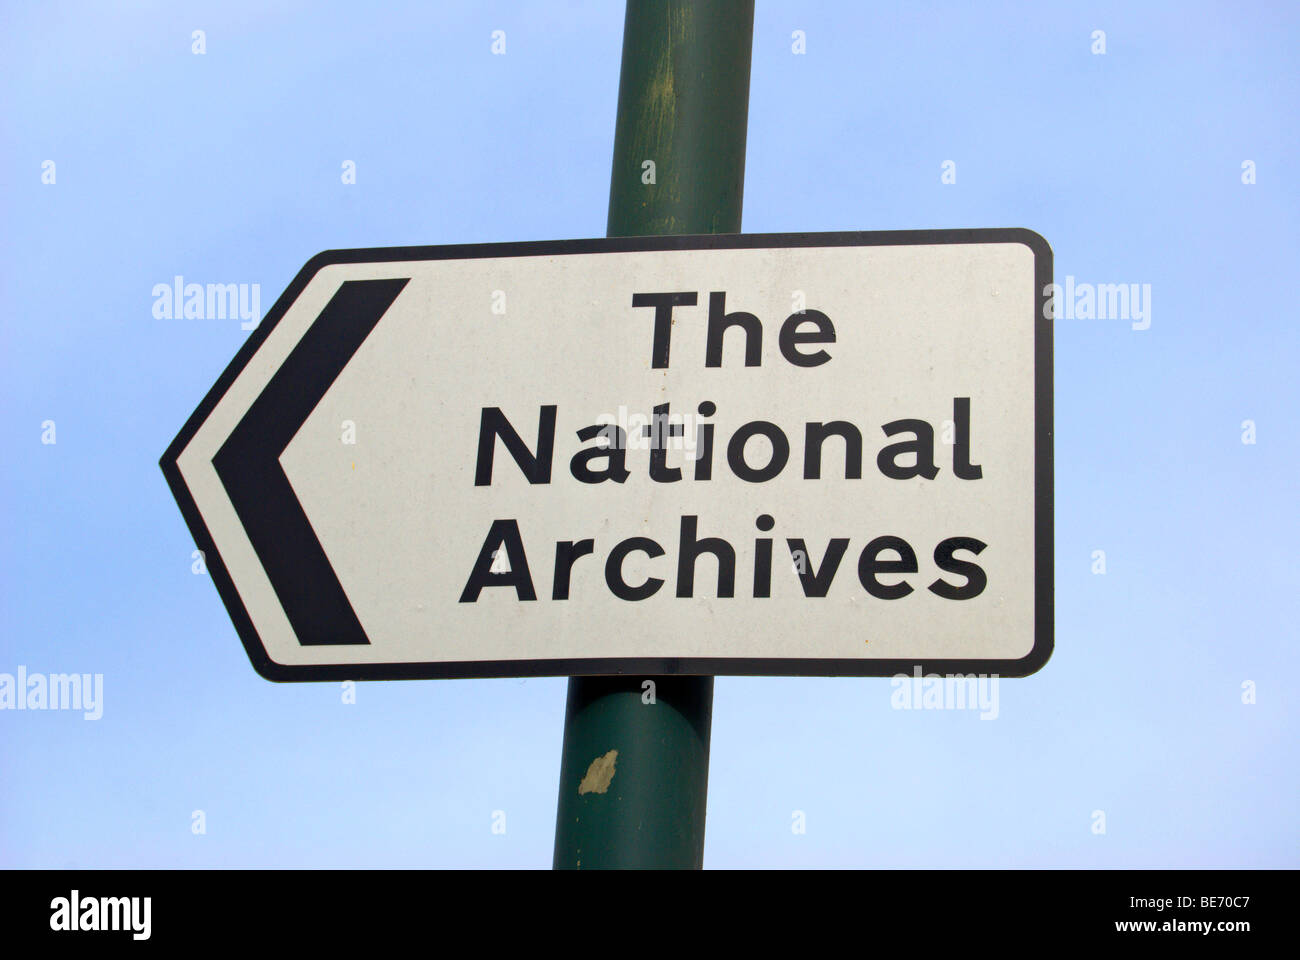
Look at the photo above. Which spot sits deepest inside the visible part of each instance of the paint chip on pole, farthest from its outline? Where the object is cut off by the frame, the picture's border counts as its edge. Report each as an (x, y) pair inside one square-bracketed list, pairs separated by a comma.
[(599, 774)]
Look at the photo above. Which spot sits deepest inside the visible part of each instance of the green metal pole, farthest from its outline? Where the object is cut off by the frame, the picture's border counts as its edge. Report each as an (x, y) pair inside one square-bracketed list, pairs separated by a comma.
[(634, 774)]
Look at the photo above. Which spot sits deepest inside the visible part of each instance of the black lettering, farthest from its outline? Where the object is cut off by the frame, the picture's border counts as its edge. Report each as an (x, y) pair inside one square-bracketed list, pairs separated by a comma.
[(663, 304), (504, 534), (614, 451), (815, 435), (870, 564), (659, 431), (614, 569), (816, 583), (922, 447), (566, 553), (976, 579), (689, 551), (493, 424), (720, 320), (961, 464), (790, 338), (736, 451), (763, 557), (704, 443)]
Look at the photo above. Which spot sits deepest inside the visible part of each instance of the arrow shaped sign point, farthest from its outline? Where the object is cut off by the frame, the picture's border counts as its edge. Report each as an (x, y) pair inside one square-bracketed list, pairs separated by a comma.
[(497, 531)]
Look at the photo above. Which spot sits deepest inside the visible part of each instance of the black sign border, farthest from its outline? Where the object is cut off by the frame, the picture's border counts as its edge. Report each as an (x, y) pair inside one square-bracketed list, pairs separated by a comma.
[(1044, 557)]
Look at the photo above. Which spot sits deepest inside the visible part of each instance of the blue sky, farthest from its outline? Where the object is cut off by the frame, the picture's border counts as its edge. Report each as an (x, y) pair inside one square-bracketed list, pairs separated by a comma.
[(225, 167)]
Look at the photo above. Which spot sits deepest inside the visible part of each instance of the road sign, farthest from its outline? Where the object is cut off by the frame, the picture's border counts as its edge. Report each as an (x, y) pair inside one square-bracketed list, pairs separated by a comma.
[(740, 454)]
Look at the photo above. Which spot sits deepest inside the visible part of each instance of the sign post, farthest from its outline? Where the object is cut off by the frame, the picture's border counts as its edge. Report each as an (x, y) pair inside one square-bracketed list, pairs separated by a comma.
[(641, 461), (679, 168)]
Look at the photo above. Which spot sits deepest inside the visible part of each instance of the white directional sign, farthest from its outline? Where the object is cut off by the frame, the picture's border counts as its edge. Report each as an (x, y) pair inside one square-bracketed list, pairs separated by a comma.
[(752, 454)]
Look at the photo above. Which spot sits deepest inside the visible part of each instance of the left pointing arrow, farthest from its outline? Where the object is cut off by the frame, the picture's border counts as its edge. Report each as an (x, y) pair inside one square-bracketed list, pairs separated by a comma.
[(248, 465)]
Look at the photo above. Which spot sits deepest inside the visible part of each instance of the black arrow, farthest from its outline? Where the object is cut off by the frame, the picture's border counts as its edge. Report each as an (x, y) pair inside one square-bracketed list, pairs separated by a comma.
[(248, 464)]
